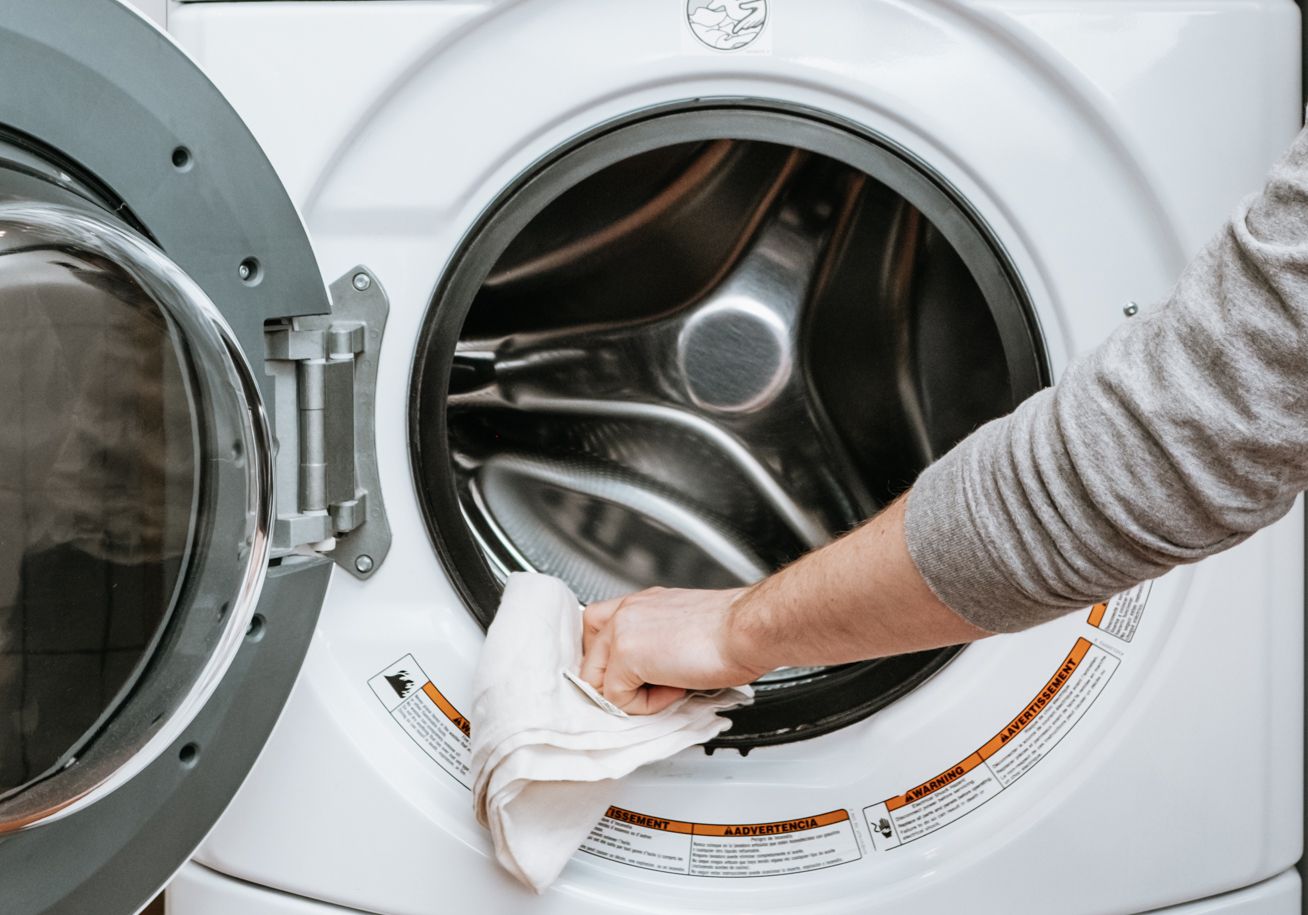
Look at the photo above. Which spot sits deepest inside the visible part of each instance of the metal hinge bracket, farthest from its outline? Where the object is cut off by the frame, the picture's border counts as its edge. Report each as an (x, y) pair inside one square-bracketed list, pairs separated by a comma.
[(324, 370)]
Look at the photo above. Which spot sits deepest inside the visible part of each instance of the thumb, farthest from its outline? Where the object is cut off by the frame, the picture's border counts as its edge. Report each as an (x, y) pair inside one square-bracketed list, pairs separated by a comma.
[(595, 660)]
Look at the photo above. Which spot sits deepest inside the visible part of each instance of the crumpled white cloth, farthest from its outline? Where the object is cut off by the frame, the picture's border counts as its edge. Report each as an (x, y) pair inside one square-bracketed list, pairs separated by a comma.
[(545, 758)]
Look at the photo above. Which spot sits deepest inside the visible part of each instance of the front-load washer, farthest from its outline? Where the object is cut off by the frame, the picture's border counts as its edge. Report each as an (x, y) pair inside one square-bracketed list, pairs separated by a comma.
[(678, 290), (682, 289)]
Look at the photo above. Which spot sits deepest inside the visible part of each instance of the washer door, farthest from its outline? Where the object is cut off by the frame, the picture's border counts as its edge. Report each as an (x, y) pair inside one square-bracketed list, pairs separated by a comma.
[(147, 640)]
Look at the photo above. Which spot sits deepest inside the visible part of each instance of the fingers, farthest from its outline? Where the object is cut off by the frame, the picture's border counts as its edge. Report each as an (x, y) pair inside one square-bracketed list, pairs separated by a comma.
[(595, 659), (609, 671), (629, 693), (595, 618), (628, 690), (598, 615), (623, 689), (595, 639), (650, 700)]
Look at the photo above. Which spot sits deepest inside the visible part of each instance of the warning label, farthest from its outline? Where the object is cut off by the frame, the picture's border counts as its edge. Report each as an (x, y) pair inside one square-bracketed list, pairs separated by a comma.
[(1120, 616), (808, 843), (721, 850), (1003, 759), (423, 712), (697, 849)]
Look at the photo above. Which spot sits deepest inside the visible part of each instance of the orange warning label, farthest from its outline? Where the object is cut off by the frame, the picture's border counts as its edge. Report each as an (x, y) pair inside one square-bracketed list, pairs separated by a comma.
[(772, 829), (1000, 761), (424, 713), (649, 822), (1043, 698), (935, 784), (772, 848), (446, 709), (792, 846), (725, 850), (719, 829), (1120, 616), (1097, 614)]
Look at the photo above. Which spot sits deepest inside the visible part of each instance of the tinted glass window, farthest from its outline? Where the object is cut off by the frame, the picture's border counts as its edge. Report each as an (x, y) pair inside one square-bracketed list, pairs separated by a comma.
[(97, 495)]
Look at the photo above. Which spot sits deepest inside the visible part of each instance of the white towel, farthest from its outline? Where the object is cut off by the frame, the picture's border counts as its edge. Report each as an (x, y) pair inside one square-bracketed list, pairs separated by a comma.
[(545, 759)]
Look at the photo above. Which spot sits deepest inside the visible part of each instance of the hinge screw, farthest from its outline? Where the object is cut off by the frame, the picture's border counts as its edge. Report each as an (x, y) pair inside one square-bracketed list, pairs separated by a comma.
[(1130, 309), (362, 281), (363, 563)]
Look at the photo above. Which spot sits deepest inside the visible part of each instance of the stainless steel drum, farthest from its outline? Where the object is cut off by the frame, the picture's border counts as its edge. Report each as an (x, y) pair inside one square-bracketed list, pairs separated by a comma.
[(698, 345)]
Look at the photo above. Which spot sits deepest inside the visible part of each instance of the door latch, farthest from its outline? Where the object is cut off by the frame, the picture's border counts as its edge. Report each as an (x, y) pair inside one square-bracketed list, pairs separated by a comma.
[(324, 370)]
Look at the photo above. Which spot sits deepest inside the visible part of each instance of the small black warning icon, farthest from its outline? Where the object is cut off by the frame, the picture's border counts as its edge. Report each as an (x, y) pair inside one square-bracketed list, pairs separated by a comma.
[(400, 682), (883, 827)]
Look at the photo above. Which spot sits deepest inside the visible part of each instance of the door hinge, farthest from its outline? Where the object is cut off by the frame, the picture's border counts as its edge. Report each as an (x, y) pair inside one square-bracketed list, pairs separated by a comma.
[(324, 370)]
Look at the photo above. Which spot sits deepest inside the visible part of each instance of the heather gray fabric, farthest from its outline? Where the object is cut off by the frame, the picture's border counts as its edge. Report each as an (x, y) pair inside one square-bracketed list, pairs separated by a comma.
[(1178, 437)]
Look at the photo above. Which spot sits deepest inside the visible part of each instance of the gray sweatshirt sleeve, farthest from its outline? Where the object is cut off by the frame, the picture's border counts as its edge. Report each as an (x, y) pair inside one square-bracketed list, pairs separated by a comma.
[(1180, 436)]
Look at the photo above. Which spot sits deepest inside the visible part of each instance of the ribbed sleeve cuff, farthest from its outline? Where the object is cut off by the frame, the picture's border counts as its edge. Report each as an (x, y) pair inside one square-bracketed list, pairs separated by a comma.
[(950, 551)]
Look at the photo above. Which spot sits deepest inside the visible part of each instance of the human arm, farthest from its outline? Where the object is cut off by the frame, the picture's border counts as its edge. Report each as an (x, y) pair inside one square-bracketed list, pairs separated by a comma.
[(1180, 436), (859, 597)]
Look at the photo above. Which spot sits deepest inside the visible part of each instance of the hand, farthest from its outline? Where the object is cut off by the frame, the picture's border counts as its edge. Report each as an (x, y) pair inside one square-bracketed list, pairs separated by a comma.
[(643, 651), (859, 597)]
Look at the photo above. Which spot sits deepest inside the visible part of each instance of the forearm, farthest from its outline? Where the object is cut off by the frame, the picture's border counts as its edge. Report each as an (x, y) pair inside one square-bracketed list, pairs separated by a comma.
[(857, 598), (1180, 436)]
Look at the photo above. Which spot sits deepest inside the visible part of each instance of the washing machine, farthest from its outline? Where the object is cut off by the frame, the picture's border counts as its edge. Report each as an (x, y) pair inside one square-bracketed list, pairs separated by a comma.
[(667, 291)]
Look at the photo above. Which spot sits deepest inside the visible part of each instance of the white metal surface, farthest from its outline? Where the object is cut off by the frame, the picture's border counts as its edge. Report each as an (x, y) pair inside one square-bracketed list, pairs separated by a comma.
[(196, 890), (200, 891), (1099, 141), (1278, 896)]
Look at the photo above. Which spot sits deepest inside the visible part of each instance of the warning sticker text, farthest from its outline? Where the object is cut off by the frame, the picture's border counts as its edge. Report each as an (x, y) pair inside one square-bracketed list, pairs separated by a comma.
[(724, 850), (423, 712), (1002, 760), (1120, 616)]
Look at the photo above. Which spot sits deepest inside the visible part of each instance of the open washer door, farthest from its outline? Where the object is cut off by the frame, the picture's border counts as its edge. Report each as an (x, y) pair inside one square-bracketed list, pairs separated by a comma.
[(156, 591)]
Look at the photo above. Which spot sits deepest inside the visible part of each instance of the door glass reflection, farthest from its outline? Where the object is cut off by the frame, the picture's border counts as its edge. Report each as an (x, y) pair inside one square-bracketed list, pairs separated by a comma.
[(98, 482)]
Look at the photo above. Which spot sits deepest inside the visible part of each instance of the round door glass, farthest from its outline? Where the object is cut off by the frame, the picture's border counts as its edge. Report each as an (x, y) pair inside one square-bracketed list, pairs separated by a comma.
[(134, 498), (98, 486)]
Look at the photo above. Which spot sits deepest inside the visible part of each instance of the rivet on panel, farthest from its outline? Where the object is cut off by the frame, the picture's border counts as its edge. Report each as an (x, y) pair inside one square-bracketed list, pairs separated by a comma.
[(249, 271)]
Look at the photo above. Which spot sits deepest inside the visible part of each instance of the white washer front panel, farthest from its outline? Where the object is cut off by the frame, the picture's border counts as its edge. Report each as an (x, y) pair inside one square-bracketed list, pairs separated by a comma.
[(1177, 746), (199, 891), (196, 890), (1278, 896)]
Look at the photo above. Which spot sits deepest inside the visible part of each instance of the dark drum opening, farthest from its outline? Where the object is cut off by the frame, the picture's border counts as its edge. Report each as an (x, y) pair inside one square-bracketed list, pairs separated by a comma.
[(697, 345)]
